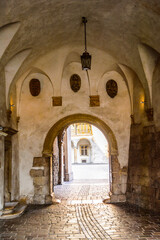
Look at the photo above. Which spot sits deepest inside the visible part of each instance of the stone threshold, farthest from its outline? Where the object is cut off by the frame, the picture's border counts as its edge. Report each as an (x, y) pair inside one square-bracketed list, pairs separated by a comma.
[(13, 210), (92, 201)]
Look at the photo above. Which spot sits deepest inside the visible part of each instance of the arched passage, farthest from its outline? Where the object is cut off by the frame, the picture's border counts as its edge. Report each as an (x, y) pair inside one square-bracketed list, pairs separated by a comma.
[(77, 118), (118, 176)]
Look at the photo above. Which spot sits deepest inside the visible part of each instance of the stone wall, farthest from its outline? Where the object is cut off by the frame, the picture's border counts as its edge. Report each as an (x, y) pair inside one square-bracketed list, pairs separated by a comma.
[(119, 181), (41, 180), (144, 167)]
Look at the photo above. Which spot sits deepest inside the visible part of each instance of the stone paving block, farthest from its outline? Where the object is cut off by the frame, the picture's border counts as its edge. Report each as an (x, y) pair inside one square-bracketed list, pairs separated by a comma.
[(82, 220)]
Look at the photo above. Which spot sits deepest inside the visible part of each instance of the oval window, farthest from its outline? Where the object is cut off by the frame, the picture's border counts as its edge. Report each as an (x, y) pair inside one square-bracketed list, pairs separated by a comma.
[(75, 82), (112, 88), (35, 87)]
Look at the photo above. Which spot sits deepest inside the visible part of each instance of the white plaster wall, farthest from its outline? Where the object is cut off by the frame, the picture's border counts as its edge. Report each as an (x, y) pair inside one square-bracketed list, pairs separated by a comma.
[(33, 115), (117, 111), (12, 67), (37, 115), (6, 35)]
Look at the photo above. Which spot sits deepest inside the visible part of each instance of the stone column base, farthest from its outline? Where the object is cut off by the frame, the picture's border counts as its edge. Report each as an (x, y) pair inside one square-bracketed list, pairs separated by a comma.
[(45, 199), (107, 200), (114, 198), (55, 200), (68, 177), (48, 199)]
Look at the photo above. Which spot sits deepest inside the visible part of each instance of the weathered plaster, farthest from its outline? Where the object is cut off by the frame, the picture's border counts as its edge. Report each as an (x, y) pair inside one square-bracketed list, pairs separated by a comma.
[(12, 67), (148, 58), (7, 32)]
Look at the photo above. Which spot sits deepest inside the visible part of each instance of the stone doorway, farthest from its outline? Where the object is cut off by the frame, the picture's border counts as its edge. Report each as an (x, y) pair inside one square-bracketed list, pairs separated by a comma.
[(76, 175), (67, 167), (44, 193)]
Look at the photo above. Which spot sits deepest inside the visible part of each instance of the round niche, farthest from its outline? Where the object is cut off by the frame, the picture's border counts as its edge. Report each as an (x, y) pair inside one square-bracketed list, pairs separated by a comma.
[(111, 88), (75, 82), (34, 87)]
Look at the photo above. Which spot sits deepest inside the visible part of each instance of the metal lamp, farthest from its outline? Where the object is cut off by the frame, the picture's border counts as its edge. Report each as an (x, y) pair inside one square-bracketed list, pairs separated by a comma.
[(85, 57)]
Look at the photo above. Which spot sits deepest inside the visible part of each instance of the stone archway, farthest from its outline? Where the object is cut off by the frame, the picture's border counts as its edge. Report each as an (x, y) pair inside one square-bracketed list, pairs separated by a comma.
[(118, 177), (77, 118)]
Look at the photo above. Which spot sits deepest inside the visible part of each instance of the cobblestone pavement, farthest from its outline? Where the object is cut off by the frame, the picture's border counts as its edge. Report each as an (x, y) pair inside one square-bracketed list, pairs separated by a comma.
[(82, 191), (81, 221)]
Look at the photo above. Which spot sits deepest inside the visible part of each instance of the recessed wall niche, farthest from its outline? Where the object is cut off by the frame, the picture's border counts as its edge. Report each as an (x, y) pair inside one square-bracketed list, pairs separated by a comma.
[(75, 82), (111, 88), (35, 87)]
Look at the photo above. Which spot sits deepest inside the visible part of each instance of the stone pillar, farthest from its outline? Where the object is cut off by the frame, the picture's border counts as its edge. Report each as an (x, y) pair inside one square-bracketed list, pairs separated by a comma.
[(68, 163), (7, 170), (75, 155), (15, 168), (11, 164), (119, 181), (41, 180), (55, 163), (1, 173), (60, 146)]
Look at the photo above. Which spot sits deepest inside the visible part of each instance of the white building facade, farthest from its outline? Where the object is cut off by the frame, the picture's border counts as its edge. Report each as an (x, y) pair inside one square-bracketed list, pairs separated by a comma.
[(88, 145)]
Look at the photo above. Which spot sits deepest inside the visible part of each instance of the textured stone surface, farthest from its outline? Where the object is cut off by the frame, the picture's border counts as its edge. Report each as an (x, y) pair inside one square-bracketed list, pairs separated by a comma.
[(40, 161), (41, 180), (82, 190), (37, 172), (82, 221), (55, 162), (144, 168)]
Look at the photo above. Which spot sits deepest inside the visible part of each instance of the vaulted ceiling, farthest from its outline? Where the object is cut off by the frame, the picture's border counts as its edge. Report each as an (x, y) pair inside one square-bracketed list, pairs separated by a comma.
[(116, 27)]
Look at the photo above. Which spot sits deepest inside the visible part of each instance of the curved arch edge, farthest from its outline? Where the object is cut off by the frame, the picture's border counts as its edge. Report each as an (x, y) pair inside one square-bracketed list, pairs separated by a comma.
[(76, 118)]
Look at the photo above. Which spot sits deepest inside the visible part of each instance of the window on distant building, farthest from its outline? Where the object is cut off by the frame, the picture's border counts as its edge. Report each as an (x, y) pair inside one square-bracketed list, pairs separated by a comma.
[(84, 150), (84, 160)]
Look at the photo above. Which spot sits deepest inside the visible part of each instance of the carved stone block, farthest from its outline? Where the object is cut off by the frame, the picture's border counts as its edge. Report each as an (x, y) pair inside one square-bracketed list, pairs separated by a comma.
[(36, 172), (40, 161), (40, 181), (94, 101), (57, 101)]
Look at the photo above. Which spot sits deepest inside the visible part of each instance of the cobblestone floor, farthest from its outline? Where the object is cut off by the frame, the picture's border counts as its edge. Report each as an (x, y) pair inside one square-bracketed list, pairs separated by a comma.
[(81, 221), (82, 191)]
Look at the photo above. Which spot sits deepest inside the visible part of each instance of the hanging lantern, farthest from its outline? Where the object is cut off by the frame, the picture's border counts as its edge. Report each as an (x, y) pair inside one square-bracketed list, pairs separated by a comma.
[(85, 57), (86, 61)]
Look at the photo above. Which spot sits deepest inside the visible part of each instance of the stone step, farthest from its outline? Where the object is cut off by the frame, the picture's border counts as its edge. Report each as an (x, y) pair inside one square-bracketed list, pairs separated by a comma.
[(9, 207), (13, 212)]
